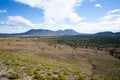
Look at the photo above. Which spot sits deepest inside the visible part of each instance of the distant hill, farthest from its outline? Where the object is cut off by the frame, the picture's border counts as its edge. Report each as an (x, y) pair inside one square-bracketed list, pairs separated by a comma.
[(107, 33), (50, 32), (46, 32)]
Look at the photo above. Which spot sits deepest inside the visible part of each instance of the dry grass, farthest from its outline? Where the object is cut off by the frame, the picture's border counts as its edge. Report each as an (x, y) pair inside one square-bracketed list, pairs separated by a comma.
[(25, 55)]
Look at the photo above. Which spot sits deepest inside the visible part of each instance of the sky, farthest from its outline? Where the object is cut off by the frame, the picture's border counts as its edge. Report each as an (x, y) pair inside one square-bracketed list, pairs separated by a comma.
[(84, 16)]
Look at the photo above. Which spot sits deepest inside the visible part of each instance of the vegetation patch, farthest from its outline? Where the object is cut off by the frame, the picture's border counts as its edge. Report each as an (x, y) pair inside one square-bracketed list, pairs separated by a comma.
[(14, 76)]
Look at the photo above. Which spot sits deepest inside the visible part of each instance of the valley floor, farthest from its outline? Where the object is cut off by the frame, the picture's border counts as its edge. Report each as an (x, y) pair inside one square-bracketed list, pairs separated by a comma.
[(32, 58)]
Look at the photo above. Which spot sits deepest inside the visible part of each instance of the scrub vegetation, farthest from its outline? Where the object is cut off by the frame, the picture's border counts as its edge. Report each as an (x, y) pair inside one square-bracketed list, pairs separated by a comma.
[(59, 58)]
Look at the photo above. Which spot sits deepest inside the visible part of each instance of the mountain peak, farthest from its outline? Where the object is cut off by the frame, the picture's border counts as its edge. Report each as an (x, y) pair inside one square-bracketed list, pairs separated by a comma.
[(50, 32)]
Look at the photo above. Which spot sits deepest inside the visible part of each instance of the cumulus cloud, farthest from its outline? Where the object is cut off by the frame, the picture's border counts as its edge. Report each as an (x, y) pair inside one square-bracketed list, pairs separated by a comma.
[(110, 22), (56, 10), (18, 20), (105, 23), (2, 23), (3, 11), (16, 24), (113, 11), (53, 27), (111, 17), (98, 5)]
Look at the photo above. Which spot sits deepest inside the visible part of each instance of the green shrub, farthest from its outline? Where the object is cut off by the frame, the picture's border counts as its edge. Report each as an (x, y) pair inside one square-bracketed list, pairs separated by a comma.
[(35, 72), (55, 78), (81, 77), (30, 72), (52, 78), (7, 63), (55, 72), (94, 79), (77, 72), (66, 72), (39, 76), (62, 77), (49, 74), (14, 76)]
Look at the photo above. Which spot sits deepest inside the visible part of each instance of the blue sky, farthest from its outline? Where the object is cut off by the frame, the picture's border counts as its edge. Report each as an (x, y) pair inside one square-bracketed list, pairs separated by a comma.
[(84, 16)]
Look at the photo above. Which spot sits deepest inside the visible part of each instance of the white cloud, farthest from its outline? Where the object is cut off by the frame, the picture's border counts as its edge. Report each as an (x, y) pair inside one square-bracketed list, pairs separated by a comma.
[(2, 23), (15, 24), (106, 23), (3, 11), (111, 17), (56, 10), (113, 11), (52, 26), (18, 20), (98, 5)]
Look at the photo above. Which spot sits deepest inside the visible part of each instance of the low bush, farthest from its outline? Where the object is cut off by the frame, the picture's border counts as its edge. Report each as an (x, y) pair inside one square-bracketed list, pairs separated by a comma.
[(14, 76), (39, 76)]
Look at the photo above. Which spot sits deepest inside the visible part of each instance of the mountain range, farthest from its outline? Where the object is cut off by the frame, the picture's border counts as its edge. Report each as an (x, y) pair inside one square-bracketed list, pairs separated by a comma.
[(45, 32), (50, 32), (107, 33)]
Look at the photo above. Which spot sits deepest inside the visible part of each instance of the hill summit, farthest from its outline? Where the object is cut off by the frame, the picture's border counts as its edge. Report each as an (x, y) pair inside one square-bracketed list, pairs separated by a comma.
[(50, 32)]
